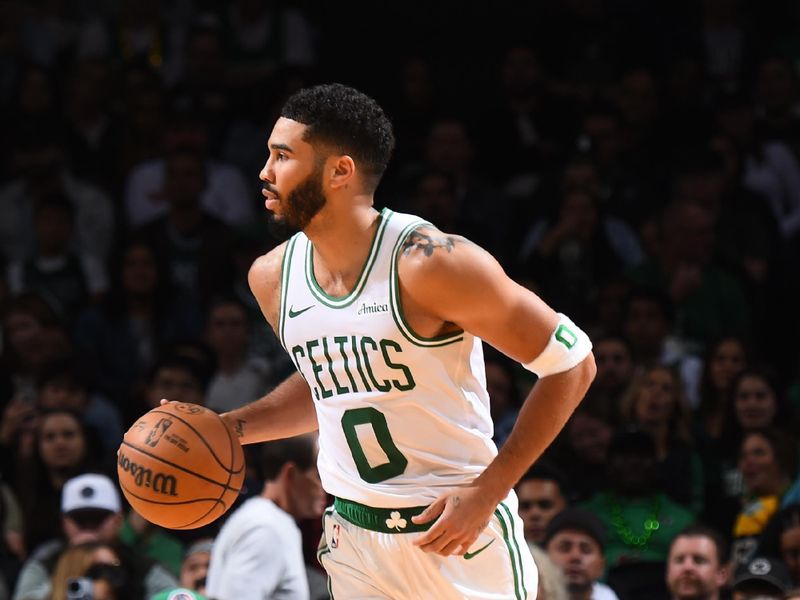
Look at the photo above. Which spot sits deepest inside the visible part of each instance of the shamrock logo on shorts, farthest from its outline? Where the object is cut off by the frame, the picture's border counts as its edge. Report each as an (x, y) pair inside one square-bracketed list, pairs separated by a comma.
[(395, 521)]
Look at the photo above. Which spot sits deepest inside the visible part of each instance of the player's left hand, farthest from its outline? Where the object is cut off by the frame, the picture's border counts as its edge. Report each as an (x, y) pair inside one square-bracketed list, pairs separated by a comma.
[(463, 514)]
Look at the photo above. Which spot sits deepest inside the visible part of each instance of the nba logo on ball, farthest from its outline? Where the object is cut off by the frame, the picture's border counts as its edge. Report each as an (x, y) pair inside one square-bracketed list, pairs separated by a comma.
[(180, 466)]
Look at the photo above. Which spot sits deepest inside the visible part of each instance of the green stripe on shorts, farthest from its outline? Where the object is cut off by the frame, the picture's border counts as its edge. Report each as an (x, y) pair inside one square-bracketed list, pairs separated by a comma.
[(508, 535)]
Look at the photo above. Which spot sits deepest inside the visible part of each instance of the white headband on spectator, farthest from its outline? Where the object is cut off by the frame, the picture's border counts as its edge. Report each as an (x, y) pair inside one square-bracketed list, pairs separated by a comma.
[(568, 345)]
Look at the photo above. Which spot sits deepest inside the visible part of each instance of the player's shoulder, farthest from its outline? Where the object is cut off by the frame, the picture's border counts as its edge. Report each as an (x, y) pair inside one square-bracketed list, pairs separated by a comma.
[(266, 269), (426, 252)]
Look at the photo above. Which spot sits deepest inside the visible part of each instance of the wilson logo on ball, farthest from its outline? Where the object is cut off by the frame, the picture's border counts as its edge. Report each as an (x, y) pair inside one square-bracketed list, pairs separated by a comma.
[(157, 432), (143, 477)]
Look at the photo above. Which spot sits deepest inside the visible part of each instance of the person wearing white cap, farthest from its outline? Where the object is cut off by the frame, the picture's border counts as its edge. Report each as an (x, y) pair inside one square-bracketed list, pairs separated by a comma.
[(91, 509)]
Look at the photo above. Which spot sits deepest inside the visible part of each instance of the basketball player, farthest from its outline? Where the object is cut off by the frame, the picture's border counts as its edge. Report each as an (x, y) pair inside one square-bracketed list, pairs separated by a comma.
[(383, 316)]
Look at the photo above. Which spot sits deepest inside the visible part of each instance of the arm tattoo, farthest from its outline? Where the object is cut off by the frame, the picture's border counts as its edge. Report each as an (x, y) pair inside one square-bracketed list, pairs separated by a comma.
[(239, 428), (427, 243)]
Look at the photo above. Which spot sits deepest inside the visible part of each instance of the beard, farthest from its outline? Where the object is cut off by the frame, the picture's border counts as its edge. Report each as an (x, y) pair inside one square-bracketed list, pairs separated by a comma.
[(300, 206)]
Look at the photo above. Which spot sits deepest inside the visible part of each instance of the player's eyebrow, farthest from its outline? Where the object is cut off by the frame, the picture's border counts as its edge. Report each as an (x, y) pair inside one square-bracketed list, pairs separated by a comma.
[(281, 147)]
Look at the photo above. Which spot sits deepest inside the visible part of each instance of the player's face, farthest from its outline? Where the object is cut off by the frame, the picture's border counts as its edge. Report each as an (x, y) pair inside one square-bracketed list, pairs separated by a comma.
[(578, 556), (693, 569), (292, 176), (539, 501)]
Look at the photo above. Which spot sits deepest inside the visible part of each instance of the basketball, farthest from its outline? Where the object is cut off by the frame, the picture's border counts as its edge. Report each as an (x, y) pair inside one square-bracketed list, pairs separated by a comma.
[(180, 466)]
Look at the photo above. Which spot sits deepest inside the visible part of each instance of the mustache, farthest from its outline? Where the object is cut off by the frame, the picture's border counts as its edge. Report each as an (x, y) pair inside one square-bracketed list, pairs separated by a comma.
[(267, 186)]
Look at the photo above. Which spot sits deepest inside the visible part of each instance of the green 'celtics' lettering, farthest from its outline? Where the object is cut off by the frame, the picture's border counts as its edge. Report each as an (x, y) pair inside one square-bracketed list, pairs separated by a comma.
[(566, 336), (339, 388), (376, 419), (410, 384), (378, 365), (341, 340), (358, 363), (382, 387), (317, 368)]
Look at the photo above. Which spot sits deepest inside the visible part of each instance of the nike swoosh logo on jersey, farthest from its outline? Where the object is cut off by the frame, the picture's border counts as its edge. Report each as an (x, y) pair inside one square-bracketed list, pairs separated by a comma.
[(293, 313), (468, 555)]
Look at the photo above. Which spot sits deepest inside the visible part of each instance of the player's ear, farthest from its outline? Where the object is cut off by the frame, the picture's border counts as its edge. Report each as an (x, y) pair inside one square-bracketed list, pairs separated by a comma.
[(341, 171)]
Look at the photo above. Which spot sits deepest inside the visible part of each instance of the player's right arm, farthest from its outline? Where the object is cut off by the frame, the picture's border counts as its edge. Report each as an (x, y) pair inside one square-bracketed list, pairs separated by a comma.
[(288, 410)]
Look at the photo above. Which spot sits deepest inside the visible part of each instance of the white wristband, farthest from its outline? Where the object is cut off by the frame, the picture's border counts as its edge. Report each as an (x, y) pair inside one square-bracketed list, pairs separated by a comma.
[(568, 345)]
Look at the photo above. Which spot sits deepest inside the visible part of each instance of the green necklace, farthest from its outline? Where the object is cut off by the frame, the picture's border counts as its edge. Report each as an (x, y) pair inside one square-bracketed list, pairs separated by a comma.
[(626, 534)]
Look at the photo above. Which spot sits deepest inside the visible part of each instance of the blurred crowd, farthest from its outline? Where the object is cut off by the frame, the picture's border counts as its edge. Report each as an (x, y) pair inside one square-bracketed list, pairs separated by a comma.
[(635, 164)]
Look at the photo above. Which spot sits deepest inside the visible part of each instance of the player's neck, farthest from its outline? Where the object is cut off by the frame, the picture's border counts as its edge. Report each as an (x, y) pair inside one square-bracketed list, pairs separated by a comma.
[(342, 238)]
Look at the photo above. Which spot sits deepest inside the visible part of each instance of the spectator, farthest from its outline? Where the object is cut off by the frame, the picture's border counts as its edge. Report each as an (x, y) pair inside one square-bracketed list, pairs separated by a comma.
[(504, 395), (195, 245), (239, 378), (615, 368), (258, 552), (91, 510), (551, 580), (62, 386), (541, 496), (640, 518), (708, 301), (109, 582), (697, 564), (768, 462), (67, 279), (120, 340), (63, 448), (649, 325), (194, 568), (655, 404), (584, 450), (781, 539), (33, 337), (725, 359), (221, 190), (75, 561), (40, 154), (761, 579), (178, 378), (576, 249), (575, 540)]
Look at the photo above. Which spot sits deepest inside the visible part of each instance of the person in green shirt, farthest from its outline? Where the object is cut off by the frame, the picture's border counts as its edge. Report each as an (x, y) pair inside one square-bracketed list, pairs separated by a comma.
[(641, 520)]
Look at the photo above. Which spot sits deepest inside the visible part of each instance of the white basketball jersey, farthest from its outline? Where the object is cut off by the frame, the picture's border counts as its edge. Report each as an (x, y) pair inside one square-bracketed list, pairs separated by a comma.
[(400, 417)]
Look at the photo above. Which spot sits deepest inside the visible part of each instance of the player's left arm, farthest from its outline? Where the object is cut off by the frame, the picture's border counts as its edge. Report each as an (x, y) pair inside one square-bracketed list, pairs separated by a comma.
[(456, 282)]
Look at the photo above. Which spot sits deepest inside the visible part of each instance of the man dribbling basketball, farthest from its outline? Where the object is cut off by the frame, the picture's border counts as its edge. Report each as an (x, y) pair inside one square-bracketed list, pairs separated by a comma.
[(383, 316)]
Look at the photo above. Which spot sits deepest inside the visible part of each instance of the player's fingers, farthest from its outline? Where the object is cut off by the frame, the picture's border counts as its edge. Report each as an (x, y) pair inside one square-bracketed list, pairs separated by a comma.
[(430, 537), (164, 401), (436, 544), (450, 548), (430, 513)]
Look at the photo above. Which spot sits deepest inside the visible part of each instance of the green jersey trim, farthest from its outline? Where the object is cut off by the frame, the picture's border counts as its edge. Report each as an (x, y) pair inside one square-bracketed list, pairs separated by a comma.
[(397, 309), (343, 301), (285, 267)]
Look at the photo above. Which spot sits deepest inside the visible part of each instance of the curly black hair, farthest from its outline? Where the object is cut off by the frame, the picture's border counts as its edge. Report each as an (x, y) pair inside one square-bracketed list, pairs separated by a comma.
[(347, 121)]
